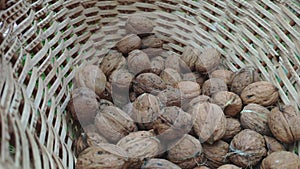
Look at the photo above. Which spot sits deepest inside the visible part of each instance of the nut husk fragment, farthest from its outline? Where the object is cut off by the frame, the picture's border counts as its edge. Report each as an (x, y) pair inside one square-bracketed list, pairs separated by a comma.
[(156, 163), (248, 148), (187, 153), (103, 155), (84, 105), (148, 83), (216, 153), (273, 145), (208, 60), (223, 74), (255, 117), (138, 25), (129, 43), (281, 159), (229, 166), (172, 123), (92, 77), (114, 124), (213, 85), (111, 62), (284, 124), (230, 102), (210, 122), (263, 93), (145, 109), (242, 79), (233, 127), (170, 96), (138, 62)]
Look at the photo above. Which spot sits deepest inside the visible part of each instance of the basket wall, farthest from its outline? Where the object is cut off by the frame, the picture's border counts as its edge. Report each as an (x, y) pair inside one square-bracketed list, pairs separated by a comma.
[(42, 43)]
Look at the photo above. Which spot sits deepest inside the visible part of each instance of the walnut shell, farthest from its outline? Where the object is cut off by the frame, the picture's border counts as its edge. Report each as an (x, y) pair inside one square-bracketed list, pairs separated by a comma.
[(152, 42), (248, 148), (114, 124), (281, 159), (223, 74), (92, 77), (263, 93), (104, 155), (170, 76), (170, 96), (153, 52), (210, 122), (273, 145), (157, 65), (145, 109), (189, 90), (88, 140), (187, 153), (172, 123), (284, 124), (91, 128), (104, 103), (229, 166), (216, 153), (201, 167), (233, 127), (84, 105), (199, 99), (242, 79), (156, 163), (208, 60), (255, 117), (190, 56), (138, 25), (213, 85), (148, 83), (138, 62), (129, 43), (107, 93), (230, 102), (111, 62), (140, 148)]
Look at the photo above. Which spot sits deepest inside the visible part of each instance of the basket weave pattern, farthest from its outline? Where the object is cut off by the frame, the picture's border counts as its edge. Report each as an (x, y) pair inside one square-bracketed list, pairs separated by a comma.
[(43, 42)]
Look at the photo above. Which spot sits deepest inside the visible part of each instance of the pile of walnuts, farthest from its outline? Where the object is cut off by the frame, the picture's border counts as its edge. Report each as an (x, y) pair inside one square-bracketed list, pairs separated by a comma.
[(146, 107)]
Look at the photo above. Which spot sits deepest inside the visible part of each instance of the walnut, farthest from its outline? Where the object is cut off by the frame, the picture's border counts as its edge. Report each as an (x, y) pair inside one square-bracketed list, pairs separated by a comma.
[(157, 65), (114, 124), (208, 60), (247, 148), (156, 163), (138, 62), (190, 56), (242, 79), (145, 109), (284, 124), (88, 140), (187, 153), (138, 25), (111, 62), (195, 77), (174, 62), (281, 159), (255, 117), (104, 103), (210, 122), (213, 85), (233, 127), (189, 90), (170, 96), (153, 52), (148, 83), (152, 42), (170, 76), (273, 145), (129, 43), (229, 166), (263, 93), (84, 105), (92, 77), (223, 74), (216, 153), (230, 102), (199, 99)]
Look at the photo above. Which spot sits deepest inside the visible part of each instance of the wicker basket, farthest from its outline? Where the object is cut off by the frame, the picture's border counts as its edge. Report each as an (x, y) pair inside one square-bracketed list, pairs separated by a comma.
[(42, 42)]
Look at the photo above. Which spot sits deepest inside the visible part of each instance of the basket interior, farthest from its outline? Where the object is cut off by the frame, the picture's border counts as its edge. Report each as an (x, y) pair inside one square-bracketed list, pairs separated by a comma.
[(43, 42)]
